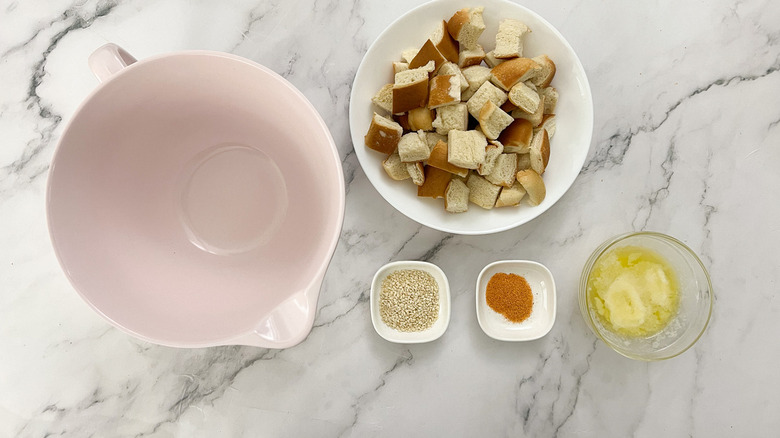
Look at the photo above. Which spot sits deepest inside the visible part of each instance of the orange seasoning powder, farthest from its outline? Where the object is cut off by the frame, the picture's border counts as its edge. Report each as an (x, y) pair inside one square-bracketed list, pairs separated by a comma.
[(510, 295)]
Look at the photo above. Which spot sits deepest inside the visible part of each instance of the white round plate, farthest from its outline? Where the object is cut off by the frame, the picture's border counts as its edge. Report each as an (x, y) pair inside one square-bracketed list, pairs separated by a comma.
[(574, 114)]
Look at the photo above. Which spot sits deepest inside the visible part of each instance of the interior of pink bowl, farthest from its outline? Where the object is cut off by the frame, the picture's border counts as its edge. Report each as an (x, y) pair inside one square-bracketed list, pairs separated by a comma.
[(191, 195)]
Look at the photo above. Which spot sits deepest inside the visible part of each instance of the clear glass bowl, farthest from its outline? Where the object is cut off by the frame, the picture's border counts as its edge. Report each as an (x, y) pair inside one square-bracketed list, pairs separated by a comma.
[(695, 294)]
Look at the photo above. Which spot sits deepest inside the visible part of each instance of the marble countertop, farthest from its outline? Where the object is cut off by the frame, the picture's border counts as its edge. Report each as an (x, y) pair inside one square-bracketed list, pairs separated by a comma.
[(686, 142)]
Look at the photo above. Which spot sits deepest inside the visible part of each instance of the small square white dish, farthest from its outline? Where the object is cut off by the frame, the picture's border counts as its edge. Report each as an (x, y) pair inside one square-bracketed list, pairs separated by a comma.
[(542, 317), (436, 330)]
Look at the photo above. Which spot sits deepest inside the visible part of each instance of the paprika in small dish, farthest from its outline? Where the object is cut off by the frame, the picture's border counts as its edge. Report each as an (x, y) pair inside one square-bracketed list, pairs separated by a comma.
[(516, 300)]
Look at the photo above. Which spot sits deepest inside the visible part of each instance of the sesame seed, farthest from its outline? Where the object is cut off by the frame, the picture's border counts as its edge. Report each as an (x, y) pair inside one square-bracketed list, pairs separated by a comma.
[(409, 300)]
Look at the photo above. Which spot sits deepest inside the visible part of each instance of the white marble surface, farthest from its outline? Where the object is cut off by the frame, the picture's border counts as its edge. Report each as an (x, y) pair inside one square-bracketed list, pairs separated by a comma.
[(686, 142)]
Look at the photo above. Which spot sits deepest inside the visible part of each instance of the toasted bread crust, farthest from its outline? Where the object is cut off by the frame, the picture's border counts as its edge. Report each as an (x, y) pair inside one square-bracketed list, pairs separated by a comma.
[(428, 52), (436, 181), (438, 159), (517, 136), (410, 96), (447, 45), (515, 70), (383, 138)]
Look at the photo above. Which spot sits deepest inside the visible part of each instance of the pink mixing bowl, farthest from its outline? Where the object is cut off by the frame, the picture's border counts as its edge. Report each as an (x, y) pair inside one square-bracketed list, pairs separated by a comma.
[(195, 199)]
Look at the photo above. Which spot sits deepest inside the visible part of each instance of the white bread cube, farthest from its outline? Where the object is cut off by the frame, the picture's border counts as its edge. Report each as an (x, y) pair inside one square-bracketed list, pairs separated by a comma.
[(436, 181), (431, 138), (409, 54), (395, 168), (492, 151), (548, 123), (413, 147), (482, 192), (510, 196), (507, 74), (540, 151), (486, 92), (456, 197), (509, 39), (420, 119), (383, 134), (440, 159), (525, 98), (503, 173), (470, 57), (491, 60), (430, 67), (466, 26), (533, 185), (476, 76), (545, 74), (416, 172), (449, 68), (410, 90), (493, 120), (384, 98), (517, 136), (428, 53), (444, 42), (451, 117), (445, 90), (550, 99), (535, 118), (523, 161), (399, 66), (466, 149), (412, 75)]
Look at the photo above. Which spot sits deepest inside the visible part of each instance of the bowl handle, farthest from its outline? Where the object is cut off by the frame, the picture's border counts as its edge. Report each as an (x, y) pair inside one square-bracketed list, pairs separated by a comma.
[(108, 60), (289, 323)]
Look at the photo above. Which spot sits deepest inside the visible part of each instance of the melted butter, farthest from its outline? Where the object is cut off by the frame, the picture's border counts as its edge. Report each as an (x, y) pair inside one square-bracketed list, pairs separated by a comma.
[(633, 291)]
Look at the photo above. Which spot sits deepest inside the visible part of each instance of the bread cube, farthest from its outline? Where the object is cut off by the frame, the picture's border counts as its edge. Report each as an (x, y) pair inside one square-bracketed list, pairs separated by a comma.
[(525, 98), (533, 184), (395, 168), (486, 92), (493, 120), (466, 26), (540, 151), (448, 68), (439, 158), (503, 173), (516, 138), (444, 42), (413, 147), (492, 151), (456, 197), (509, 39), (544, 76), (384, 98), (445, 90), (466, 149), (410, 90), (469, 57), (427, 53), (451, 117), (416, 172), (436, 181), (507, 74), (383, 134), (476, 76), (482, 192), (510, 196)]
